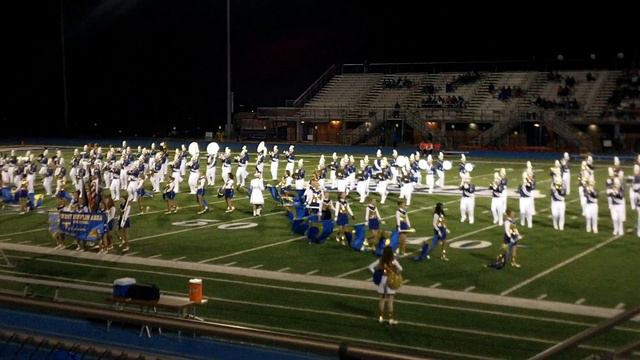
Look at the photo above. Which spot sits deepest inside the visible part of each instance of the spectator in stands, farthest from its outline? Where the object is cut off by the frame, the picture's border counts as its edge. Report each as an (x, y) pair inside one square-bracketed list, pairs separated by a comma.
[(396, 110), (492, 88), (590, 77)]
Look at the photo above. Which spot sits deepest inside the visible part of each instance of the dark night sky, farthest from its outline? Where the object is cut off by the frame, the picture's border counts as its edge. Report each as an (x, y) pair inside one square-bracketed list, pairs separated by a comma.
[(147, 65)]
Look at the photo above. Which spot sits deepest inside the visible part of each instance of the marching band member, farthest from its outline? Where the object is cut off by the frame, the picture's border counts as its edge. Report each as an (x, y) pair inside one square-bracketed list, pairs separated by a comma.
[(394, 168), (285, 182), (298, 175), (107, 241), (80, 175), (47, 181), (169, 195), (228, 193), (430, 171), (341, 183), (260, 161), (106, 173), (23, 194), (558, 206), (175, 171), (44, 162), (125, 224), (132, 182), (368, 173), (566, 172), (257, 198), (616, 206), (635, 187), (440, 170), (322, 172), (327, 208), (406, 187), (194, 173), (377, 163), (403, 224), (526, 200), (532, 178), (275, 160), (373, 219), (583, 177), (60, 174), (226, 164), (291, 159), (123, 172), (416, 176), (200, 191), (343, 211), (468, 199), (333, 168), (243, 161), (183, 161), (591, 206), (31, 170), (141, 192), (462, 170), (212, 161), (511, 238), (496, 199), (351, 173), (115, 181), (361, 186), (157, 173), (383, 180)]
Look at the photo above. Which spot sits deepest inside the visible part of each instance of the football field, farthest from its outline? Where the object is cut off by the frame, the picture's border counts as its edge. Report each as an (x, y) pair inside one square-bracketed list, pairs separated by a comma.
[(258, 273)]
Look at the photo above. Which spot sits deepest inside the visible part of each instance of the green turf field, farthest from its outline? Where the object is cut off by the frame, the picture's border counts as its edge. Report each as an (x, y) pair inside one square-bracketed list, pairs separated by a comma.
[(265, 276)]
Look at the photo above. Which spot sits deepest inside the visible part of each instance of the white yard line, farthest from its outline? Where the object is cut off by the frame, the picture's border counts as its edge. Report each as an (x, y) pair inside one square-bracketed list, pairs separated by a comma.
[(294, 288), (184, 207), (284, 269), (257, 266), (620, 306), (435, 285), (560, 265), (580, 301), (25, 242), (155, 256), (312, 272), (24, 232), (251, 250), (542, 297), (470, 288), (231, 263), (179, 258)]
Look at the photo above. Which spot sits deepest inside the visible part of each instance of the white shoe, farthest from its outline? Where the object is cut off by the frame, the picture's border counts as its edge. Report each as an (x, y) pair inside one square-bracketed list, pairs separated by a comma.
[(393, 322)]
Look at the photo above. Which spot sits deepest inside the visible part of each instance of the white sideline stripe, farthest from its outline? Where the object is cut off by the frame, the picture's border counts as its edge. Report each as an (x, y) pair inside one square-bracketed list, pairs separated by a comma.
[(558, 266), (312, 272), (179, 258), (24, 232), (197, 228), (433, 286), (25, 242), (284, 269), (231, 263), (490, 299), (580, 301), (155, 256), (257, 266), (620, 306), (541, 297), (251, 250), (322, 292), (470, 288)]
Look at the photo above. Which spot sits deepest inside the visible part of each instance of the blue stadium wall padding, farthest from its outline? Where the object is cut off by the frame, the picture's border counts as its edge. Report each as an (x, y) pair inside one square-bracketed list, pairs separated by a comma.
[(319, 231)]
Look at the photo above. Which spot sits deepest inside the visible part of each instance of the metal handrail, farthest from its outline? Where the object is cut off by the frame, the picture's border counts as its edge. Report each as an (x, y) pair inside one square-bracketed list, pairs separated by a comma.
[(587, 334), (216, 330)]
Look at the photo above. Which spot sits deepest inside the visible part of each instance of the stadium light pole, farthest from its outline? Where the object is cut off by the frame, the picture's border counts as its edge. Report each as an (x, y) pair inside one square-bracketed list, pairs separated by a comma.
[(229, 99)]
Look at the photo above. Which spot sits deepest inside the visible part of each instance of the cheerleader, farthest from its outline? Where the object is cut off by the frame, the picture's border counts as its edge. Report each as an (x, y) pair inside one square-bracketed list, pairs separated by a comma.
[(169, 195), (402, 225), (430, 171), (372, 218), (226, 164), (107, 240), (194, 174), (200, 191), (291, 159), (327, 209), (314, 197), (125, 224), (511, 238), (343, 211), (566, 172), (228, 193), (467, 200), (60, 182), (212, 161), (440, 232), (257, 198), (558, 206), (275, 160), (591, 206), (526, 200), (243, 161), (616, 206), (141, 193), (385, 265), (115, 181), (383, 180), (440, 170), (496, 199)]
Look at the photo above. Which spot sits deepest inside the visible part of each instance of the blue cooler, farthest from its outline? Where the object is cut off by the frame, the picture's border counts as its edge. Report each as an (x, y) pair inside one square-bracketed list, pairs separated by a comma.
[(121, 287)]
